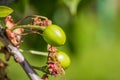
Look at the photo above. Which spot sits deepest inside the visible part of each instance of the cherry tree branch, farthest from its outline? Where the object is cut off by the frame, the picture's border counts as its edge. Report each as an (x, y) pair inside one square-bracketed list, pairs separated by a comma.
[(18, 56)]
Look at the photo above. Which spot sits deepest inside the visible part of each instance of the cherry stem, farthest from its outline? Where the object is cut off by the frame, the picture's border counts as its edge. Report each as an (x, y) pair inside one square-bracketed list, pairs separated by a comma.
[(36, 52), (29, 26), (43, 69), (20, 21)]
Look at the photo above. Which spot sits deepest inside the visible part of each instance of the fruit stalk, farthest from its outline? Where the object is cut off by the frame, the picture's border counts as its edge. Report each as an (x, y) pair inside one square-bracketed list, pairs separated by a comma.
[(29, 26)]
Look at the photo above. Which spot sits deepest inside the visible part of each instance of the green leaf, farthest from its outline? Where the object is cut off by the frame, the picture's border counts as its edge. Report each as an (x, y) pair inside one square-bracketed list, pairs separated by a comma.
[(5, 11), (72, 5)]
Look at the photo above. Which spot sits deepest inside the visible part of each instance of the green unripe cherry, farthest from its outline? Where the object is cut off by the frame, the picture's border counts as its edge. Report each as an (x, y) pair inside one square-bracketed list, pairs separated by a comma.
[(64, 59), (54, 35)]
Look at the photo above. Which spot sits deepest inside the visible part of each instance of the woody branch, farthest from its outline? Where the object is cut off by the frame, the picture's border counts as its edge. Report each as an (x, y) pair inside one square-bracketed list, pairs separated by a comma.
[(18, 56)]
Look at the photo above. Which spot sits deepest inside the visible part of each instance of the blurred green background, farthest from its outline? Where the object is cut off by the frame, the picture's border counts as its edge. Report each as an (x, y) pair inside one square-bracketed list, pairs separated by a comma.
[(93, 37)]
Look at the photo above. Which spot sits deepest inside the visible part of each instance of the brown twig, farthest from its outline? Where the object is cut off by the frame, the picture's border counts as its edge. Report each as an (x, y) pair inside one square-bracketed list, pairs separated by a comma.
[(18, 56)]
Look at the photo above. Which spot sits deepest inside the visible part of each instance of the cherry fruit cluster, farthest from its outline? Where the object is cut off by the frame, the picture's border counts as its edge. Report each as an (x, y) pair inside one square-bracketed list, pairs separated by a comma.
[(53, 34)]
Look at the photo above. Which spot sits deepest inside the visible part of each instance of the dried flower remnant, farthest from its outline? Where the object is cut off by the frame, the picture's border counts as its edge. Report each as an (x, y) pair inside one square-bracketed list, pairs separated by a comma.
[(15, 35), (54, 65), (41, 22)]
